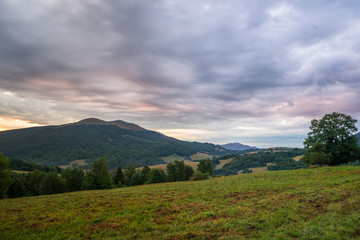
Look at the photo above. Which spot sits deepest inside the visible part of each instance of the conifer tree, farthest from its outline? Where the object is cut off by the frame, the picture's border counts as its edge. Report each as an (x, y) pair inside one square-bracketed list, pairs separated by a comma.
[(119, 178)]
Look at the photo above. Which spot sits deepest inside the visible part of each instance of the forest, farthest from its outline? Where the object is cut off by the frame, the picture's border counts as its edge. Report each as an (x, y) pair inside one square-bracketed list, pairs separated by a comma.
[(279, 161), (41, 179)]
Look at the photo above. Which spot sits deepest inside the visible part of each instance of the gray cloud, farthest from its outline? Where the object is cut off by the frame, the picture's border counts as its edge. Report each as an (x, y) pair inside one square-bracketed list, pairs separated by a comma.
[(180, 63)]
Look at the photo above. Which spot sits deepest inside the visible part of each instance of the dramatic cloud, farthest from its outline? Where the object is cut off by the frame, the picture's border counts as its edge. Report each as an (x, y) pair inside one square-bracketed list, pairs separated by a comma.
[(250, 71)]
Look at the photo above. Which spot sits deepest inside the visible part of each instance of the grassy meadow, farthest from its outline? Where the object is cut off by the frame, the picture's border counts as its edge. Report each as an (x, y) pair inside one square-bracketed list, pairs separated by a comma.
[(319, 203)]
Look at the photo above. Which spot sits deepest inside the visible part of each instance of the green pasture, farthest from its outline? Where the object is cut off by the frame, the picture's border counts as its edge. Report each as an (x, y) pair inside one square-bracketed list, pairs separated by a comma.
[(319, 203)]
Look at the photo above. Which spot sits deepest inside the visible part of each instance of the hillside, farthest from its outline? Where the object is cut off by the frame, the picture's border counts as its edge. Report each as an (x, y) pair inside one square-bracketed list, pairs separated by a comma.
[(237, 146), (120, 142), (320, 203)]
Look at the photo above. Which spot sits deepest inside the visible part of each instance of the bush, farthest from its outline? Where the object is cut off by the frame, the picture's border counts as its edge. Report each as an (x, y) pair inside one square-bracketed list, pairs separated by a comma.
[(199, 176)]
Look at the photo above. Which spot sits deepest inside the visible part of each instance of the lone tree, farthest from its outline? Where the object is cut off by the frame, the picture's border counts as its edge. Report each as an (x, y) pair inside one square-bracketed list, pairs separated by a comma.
[(205, 166), (336, 131)]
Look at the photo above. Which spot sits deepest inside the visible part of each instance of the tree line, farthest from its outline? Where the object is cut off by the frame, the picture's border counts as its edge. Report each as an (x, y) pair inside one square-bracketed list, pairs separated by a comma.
[(15, 184)]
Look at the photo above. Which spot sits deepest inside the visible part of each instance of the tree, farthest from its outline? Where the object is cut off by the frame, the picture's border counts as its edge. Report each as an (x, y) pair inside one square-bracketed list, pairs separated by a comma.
[(156, 175), (205, 166), (316, 155), (189, 171), (17, 188), (51, 184), (132, 177), (33, 181), (177, 171), (336, 131), (171, 172), (5, 176), (98, 177), (144, 174), (119, 178), (73, 178)]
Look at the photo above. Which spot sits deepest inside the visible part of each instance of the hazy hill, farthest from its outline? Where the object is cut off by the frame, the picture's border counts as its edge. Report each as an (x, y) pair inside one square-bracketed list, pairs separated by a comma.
[(237, 146), (89, 139)]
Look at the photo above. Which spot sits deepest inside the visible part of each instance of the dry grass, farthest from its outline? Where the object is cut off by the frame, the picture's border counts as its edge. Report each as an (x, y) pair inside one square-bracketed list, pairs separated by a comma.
[(200, 156), (77, 162), (163, 166), (172, 158), (222, 163), (298, 158)]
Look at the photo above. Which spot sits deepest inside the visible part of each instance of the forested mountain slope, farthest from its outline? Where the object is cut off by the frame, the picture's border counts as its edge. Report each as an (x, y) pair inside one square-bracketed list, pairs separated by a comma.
[(120, 142)]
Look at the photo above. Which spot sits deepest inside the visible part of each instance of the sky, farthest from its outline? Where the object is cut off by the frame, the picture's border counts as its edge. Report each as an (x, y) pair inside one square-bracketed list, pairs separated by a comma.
[(255, 72)]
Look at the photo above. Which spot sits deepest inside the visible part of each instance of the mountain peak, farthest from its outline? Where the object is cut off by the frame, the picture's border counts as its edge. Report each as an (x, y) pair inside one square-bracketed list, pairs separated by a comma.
[(90, 121), (118, 123), (237, 146), (126, 125)]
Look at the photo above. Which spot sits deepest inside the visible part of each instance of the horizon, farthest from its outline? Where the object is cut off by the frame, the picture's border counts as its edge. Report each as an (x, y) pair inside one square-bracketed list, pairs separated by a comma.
[(206, 71), (216, 143)]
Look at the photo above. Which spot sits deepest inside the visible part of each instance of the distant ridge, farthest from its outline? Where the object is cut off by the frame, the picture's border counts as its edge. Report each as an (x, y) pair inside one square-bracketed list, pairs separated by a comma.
[(82, 142), (237, 146), (118, 123)]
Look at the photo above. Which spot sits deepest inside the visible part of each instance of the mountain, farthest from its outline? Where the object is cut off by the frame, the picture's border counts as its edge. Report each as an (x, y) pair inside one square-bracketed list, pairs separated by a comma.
[(84, 141), (118, 123), (237, 146)]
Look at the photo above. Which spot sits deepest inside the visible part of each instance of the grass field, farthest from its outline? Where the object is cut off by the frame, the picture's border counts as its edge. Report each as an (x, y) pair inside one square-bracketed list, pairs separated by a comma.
[(320, 203), (163, 166), (222, 163), (172, 158), (196, 156), (200, 156), (298, 158), (76, 163)]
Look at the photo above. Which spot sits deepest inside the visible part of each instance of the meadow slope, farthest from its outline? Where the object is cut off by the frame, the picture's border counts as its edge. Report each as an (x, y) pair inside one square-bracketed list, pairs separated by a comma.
[(321, 203)]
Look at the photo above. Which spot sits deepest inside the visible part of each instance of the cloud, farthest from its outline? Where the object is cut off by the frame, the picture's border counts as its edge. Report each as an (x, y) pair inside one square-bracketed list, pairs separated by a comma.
[(171, 64)]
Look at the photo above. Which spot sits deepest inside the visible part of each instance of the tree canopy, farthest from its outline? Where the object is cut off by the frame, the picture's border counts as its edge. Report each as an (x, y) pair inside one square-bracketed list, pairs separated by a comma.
[(51, 184), (337, 132), (205, 166), (98, 177)]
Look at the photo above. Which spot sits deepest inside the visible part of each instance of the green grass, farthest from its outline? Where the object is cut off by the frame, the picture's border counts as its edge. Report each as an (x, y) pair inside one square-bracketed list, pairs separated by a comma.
[(321, 203)]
